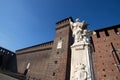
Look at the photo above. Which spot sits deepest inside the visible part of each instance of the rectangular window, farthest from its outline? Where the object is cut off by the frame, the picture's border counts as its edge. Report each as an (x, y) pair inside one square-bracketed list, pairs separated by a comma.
[(53, 73)]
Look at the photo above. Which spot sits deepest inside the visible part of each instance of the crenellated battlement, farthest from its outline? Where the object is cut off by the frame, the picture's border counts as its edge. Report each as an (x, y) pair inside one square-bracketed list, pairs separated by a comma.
[(43, 46), (108, 31), (63, 23), (6, 51)]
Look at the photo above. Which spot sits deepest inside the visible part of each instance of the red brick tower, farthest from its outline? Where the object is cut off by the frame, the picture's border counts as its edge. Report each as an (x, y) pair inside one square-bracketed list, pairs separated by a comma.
[(106, 55), (59, 66)]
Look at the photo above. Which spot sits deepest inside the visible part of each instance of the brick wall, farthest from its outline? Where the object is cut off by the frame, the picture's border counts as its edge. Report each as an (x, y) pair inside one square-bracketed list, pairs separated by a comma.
[(106, 45), (38, 57)]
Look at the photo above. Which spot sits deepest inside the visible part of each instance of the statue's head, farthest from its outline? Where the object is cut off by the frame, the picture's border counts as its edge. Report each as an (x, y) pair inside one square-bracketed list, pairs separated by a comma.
[(77, 20)]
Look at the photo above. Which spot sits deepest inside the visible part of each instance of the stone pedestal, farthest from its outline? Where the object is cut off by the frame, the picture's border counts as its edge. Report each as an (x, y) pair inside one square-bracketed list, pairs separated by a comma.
[(80, 61)]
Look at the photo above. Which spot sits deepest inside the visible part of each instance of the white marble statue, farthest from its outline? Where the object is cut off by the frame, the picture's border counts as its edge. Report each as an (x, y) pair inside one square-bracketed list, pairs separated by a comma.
[(87, 34), (79, 31), (81, 68)]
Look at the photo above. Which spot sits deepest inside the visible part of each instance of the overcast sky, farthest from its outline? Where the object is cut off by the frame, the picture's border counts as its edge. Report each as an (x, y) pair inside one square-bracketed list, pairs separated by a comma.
[(25, 23)]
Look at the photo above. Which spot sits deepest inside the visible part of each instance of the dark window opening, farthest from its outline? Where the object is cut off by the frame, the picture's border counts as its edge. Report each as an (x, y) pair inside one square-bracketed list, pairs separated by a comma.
[(104, 75), (57, 52), (55, 62), (103, 69), (53, 73)]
